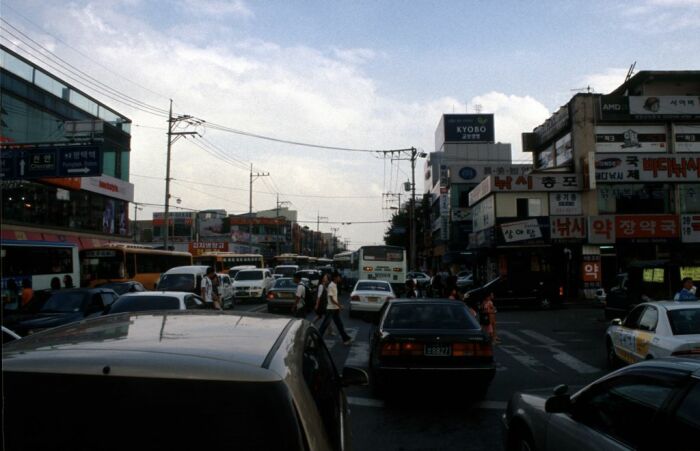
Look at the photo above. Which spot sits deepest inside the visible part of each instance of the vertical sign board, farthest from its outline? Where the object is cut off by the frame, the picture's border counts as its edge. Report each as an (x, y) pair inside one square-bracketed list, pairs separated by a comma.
[(690, 228), (686, 138), (484, 214), (590, 271)]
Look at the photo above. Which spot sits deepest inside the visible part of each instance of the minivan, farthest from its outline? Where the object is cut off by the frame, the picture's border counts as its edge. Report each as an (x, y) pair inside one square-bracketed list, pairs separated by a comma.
[(182, 278)]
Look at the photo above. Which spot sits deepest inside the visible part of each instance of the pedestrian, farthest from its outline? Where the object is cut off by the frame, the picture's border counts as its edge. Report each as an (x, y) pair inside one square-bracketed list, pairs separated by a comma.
[(436, 285), (333, 311), (451, 284), (453, 295), (68, 281), (207, 288), (411, 289), (27, 292), (299, 307), (487, 317), (216, 291), (55, 283), (687, 292)]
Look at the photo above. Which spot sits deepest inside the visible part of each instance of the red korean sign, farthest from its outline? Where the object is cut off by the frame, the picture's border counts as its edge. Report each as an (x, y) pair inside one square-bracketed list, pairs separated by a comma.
[(201, 247), (590, 270), (567, 227), (608, 229)]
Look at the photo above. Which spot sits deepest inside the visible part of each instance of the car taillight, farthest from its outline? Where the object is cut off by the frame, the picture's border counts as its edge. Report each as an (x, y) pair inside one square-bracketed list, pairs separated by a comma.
[(462, 349), (354, 298), (483, 350), (411, 349), (270, 296), (561, 291), (368, 269), (390, 349)]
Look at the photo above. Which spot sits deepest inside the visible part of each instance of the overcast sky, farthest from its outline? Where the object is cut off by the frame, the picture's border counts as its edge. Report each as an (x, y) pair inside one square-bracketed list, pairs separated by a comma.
[(361, 74)]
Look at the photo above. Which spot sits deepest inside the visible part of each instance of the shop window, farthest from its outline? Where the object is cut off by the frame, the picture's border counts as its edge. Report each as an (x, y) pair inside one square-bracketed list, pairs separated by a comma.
[(527, 208), (690, 198), (641, 198)]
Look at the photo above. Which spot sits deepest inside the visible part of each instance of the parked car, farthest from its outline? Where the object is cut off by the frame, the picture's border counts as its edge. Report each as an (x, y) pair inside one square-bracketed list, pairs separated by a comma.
[(421, 278), (369, 296), (268, 382), (226, 291), (531, 291), (233, 271), (252, 284), (651, 405), (285, 271), (646, 281), (156, 300), (183, 278), (282, 295), (653, 330), (439, 340), (465, 279), (130, 286), (66, 306)]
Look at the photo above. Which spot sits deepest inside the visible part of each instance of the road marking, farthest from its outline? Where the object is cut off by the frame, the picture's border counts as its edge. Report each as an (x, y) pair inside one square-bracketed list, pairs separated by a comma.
[(524, 358), (378, 403), (541, 338), (512, 336), (573, 363), (359, 352)]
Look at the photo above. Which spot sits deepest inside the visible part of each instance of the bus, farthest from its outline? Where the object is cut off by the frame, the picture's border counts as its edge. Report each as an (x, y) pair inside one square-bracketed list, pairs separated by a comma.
[(223, 261), (122, 262), (35, 261), (386, 263), (303, 261), (343, 263)]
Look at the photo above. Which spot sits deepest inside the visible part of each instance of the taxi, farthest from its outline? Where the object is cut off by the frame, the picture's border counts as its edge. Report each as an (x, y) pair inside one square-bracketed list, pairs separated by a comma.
[(653, 330)]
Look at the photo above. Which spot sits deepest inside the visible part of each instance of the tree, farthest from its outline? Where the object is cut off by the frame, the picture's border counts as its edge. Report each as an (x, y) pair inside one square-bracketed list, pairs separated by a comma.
[(398, 233)]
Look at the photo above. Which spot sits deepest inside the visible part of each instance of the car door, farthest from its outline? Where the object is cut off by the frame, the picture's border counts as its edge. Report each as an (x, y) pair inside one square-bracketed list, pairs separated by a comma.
[(618, 414), (645, 332), (624, 336), (193, 302)]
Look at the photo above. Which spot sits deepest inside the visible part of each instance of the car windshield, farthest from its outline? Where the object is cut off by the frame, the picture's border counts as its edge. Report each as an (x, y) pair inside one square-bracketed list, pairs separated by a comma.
[(284, 283), (311, 275), (64, 302), (430, 316), (249, 275), (685, 321), (372, 286), (286, 271), (121, 287), (176, 282), (142, 303)]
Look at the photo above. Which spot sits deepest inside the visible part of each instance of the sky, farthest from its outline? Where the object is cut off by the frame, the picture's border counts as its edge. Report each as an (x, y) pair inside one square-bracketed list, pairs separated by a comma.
[(353, 74)]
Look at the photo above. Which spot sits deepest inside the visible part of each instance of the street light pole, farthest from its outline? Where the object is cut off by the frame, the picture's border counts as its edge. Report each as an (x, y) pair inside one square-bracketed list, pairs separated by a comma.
[(253, 177), (414, 155)]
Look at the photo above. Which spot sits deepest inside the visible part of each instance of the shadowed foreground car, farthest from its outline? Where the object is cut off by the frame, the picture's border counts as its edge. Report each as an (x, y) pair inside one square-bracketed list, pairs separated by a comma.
[(438, 340), (653, 405), (176, 380), (130, 286), (157, 300)]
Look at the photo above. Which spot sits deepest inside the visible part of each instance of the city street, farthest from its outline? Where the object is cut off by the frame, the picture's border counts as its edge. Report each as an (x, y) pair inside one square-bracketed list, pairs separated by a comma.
[(539, 349)]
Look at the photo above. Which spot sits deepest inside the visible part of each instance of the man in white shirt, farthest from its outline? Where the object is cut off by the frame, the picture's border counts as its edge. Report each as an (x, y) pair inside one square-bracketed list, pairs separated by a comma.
[(333, 311), (208, 288), (299, 308)]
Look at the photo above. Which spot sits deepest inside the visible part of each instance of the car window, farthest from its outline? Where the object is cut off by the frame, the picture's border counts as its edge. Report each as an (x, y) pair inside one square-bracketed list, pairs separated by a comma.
[(686, 422), (96, 302), (684, 321), (176, 282), (372, 286), (145, 303), (430, 316), (107, 298), (322, 380), (193, 302), (632, 319), (64, 302), (284, 283), (624, 408), (249, 275), (649, 319)]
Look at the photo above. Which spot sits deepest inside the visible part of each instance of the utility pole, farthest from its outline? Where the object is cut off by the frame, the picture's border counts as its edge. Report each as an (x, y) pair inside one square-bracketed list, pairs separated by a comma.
[(253, 177), (136, 221), (334, 246), (318, 234), (278, 205), (172, 121)]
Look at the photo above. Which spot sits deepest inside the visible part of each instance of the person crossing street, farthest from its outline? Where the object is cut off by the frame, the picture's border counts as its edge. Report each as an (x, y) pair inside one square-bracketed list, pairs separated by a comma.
[(333, 309)]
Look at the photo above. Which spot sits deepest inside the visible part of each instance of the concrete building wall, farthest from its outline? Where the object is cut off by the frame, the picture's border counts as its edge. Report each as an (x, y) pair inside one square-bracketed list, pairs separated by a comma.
[(506, 203)]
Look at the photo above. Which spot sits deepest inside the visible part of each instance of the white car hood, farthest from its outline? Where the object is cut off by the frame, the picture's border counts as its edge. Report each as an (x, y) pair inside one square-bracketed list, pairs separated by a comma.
[(248, 283), (366, 293)]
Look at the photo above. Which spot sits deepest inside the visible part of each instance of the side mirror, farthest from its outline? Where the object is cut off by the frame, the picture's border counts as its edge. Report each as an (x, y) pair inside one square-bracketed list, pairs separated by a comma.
[(616, 322), (354, 376), (560, 402)]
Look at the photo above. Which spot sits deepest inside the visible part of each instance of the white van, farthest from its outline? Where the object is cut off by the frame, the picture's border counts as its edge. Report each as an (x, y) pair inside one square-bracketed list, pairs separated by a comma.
[(252, 284), (285, 271), (182, 278)]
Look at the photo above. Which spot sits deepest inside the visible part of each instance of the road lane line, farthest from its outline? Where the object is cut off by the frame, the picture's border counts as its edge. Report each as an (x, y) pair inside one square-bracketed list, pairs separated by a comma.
[(524, 358), (573, 363), (511, 336), (541, 338)]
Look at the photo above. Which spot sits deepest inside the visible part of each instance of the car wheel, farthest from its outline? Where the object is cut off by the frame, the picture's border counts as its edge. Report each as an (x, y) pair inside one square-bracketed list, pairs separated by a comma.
[(521, 440), (613, 360)]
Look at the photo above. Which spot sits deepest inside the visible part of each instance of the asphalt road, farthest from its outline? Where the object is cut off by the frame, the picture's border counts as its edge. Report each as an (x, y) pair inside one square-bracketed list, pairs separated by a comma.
[(539, 350)]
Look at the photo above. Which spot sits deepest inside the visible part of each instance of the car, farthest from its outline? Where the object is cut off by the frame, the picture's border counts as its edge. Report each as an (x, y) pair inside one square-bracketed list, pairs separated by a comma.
[(183, 278), (233, 271), (285, 270), (465, 279), (282, 295), (267, 382), (518, 292), (252, 284), (226, 291), (66, 306), (651, 405), (312, 275), (156, 300), (130, 286), (653, 330), (421, 278), (369, 296), (437, 340)]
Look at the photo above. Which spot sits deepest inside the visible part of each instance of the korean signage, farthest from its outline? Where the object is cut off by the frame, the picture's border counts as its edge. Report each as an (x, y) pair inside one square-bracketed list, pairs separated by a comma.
[(686, 138), (201, 247), (484, 214), (625, 108), (565, 204), (528, 229), (444, 176), (690, 228), (461, 214), (109, 186), (564, 150), (474, 173), (608, 229), (533, 182), (567, 228), (590, 271), (32, 162), (647, 168), (630, 138), (552, 126), (469, 128)]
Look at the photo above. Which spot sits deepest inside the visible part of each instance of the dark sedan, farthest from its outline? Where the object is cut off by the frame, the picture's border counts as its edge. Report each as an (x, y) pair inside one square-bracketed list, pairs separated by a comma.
[(282, 295), (130, 286), (520, 291), (67, 306), (435, 339)]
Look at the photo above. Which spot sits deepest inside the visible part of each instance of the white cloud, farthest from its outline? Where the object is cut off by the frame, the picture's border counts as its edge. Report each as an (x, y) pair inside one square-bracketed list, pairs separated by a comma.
[(661, 16), (606, 81), (218, 8)]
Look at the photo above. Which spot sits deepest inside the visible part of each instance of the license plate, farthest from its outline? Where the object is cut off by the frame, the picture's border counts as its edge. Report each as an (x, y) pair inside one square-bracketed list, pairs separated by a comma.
[(372, 299), (284, 295), (438, 350)]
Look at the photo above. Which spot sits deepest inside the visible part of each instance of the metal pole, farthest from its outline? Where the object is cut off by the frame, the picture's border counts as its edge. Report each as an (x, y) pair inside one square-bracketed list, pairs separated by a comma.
[(166, 215), (277, 217), (250, 212), (136, 223), (414, 154)]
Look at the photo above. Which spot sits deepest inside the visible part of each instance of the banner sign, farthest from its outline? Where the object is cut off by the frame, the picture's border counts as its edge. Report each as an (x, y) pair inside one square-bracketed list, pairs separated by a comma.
[(686, 138), (533, 182), (552, 126), (475, 172), (565, 204), (564, 150), (468, 128), (590, 271), (484, 214), (647, 168), (623, 108), (28, 162), (690, 228), (201, 247), (608, 229), (528, 229), (461, 214), (630, 138), (567, 228)]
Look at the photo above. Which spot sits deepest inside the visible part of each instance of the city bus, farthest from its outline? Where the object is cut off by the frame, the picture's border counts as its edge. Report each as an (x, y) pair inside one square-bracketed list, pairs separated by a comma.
[(38, 262), (303, 261), (386, 263), (343, 263), (122, 262), (223, 261)]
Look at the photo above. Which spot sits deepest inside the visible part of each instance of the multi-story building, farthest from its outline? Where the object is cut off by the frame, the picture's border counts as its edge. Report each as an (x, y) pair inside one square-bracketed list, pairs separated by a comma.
[(65, 160)]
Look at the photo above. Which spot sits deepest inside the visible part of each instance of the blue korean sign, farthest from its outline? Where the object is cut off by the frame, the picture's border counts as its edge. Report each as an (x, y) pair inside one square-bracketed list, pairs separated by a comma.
[(467, 173), (21, 162)]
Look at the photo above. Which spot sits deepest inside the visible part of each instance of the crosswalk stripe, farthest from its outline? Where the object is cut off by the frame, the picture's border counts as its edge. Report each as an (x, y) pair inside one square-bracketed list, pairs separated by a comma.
[(574, 363), (523, 358), (512, 336), (541, 338)]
